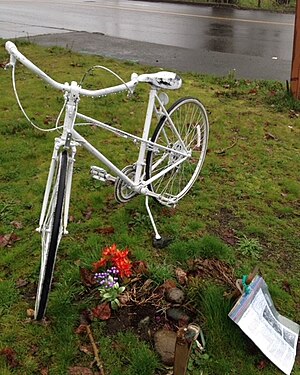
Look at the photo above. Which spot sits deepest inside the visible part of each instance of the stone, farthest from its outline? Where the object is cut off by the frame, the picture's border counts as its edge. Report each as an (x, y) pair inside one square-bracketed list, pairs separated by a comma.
[(175, 295), (178, 315), (164, 343)]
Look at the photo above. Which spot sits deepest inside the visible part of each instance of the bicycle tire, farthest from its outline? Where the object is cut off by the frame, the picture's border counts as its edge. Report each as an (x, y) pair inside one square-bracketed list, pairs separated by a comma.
[(51, 234), (190, 119)]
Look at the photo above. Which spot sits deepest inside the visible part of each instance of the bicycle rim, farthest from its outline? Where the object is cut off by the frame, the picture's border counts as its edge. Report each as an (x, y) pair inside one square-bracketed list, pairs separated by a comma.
[(190, 119), (52, 229)]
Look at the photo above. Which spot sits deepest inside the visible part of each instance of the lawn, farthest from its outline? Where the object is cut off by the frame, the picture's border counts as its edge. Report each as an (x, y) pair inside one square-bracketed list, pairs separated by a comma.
[(243, 211)]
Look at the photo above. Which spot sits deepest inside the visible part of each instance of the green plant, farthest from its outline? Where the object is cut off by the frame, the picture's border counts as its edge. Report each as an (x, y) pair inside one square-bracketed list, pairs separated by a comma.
[(109, 287), (249, 247), (159, 273), (196, 359)]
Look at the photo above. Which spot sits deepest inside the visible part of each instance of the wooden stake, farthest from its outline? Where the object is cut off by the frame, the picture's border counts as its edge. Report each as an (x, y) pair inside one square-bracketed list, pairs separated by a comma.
[(295, 73), (184, 340)]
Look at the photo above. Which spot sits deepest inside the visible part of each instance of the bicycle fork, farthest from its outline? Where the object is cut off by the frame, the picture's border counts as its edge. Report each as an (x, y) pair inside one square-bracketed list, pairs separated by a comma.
[(52, 182)]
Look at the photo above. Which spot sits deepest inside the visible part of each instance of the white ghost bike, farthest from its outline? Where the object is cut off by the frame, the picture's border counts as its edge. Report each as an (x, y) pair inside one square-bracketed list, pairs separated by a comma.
[(167, 165)]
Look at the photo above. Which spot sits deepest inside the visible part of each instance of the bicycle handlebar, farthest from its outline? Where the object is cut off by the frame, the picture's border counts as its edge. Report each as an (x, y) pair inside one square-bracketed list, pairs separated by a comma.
[(15, 54)]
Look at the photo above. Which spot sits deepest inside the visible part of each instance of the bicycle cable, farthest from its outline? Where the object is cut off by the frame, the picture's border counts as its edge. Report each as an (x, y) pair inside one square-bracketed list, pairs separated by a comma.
[(24, 112), (108, 70)]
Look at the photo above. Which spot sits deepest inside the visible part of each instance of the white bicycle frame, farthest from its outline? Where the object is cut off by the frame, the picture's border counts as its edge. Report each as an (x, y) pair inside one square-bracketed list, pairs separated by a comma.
[(70, 138)]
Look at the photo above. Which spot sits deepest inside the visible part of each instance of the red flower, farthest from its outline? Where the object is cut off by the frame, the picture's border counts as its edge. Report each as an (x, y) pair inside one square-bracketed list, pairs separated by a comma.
[(117, 258), (101, 263)]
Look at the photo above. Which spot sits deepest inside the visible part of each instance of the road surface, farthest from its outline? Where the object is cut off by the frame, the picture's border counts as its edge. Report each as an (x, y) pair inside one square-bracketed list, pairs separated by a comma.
[(256, 44)]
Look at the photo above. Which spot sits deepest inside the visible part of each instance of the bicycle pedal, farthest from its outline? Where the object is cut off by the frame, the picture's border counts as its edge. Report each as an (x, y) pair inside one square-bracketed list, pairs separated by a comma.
[(100, 174)]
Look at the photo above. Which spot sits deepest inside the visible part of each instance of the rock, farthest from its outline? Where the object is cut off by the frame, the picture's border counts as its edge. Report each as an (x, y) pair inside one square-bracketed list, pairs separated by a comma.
[(175, 295), (178, 315), (164, 343)]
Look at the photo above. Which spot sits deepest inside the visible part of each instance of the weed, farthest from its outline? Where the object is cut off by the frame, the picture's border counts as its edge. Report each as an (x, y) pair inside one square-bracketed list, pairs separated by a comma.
[(249, 247), (159, 273)]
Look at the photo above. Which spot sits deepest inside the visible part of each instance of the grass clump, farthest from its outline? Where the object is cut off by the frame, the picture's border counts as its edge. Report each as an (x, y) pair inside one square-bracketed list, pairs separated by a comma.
[(159, 273), (206, 247), (128, 355), (8, 295)]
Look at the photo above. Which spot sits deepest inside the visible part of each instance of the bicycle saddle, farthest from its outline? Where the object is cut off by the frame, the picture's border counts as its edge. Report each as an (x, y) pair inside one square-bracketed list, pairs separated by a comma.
[(162, 80)]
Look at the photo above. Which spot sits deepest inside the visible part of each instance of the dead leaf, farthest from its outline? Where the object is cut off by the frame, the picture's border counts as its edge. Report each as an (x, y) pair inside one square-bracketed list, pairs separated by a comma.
[(87, 349), (124, 298), (215, 269), (293, 114), (87, 277), (17, 224), (88, 213), (228, 236), (181, 276), (81, 329), (44, 371), (102, 312), (262, 364), (86, 317), (168, 212), (20, 283), (253, 91), (286, 286), (4, 240), (270, 136), (168, 284), (34, 349), (139, 268), (10, 356), (30, 313), (106, 230), (7, 240), (79, 370), (147, 286)]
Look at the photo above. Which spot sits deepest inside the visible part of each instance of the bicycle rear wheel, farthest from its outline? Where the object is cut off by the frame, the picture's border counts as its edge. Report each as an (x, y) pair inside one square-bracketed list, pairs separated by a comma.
[(190, 119), (51, 231)]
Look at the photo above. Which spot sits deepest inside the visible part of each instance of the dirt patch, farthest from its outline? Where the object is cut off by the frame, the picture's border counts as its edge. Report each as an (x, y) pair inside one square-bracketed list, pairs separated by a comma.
[(142, 320), (227, 221)]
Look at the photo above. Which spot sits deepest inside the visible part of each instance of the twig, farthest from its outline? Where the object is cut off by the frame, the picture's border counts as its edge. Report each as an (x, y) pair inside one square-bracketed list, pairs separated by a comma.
[(220, 152), (95, 349)]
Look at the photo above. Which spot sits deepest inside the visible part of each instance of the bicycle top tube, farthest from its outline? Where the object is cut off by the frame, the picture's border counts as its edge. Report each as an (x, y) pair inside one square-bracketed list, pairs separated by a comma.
[(164, 80)]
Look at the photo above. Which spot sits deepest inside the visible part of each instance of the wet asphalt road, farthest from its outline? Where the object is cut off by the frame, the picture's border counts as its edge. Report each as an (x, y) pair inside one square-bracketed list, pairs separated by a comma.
[(171, 36)]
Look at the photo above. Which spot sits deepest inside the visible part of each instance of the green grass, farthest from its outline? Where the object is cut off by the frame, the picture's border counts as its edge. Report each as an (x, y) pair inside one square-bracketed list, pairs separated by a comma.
[(271, 5), (248, 191)]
